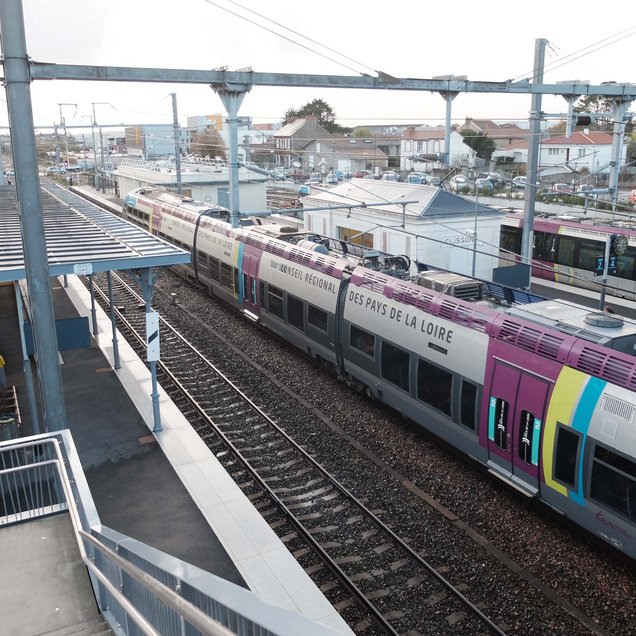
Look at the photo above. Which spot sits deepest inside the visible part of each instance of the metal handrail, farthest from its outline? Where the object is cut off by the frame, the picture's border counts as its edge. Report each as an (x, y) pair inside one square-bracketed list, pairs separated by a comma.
[(192, 614)]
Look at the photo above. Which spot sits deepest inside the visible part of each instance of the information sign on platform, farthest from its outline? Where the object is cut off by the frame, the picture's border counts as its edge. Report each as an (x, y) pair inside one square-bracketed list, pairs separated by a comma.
[(152, 336)]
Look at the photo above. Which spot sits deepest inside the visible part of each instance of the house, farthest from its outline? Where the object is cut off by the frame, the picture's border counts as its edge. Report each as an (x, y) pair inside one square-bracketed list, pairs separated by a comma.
[(502, 134), (585, 150), (306, 143), (423, 148), (432, 226)]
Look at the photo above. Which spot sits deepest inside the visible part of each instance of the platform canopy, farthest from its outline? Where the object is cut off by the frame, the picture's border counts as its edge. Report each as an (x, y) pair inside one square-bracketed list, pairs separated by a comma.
[(81, 238)]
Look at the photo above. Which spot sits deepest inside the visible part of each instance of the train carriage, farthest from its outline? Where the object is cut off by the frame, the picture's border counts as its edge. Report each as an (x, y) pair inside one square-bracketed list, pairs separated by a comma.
[(566, 248), (545, 405)]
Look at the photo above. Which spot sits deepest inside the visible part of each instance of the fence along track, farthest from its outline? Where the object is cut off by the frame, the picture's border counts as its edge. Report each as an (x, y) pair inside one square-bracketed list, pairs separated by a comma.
[(361, 562)]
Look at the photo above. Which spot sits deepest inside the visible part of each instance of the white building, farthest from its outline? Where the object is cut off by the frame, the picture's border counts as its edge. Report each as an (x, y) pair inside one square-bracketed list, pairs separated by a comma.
[(423, 147), (590, 150), (203, 180), (433, 226)]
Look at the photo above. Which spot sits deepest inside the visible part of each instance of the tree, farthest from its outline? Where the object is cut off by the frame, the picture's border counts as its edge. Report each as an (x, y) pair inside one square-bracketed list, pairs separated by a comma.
[(595, 104), (480, 143), (318, 107), (362, 132), (208, 143)]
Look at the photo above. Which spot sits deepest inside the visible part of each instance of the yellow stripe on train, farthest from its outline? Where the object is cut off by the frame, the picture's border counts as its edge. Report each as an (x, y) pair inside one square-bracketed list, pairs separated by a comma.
[(567, 391)]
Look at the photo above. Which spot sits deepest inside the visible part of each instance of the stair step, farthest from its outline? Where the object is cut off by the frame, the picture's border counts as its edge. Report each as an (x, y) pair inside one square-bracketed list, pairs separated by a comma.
[(96, 626)]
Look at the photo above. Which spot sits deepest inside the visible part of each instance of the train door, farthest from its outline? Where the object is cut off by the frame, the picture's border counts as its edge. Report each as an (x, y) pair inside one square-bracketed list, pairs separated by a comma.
[(249, 284), (515, 418)]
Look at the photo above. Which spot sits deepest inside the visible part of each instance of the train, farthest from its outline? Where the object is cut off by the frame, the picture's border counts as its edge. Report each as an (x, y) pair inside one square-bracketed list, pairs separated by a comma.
[(566, 248), (541, 394)]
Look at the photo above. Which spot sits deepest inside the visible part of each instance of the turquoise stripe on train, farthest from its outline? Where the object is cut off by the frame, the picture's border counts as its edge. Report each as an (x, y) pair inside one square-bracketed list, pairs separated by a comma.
[(581, 423), (239, 266)]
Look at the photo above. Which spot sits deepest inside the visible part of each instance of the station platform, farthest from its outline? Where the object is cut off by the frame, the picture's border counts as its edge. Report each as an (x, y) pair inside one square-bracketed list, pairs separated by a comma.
[(165, 489)]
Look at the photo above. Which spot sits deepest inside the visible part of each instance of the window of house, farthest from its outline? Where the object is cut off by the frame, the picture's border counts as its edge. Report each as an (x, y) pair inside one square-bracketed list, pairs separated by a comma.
[(395, 365), (567, 450)]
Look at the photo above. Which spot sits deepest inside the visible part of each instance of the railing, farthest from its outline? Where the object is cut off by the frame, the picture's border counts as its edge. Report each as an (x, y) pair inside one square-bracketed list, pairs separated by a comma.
[(140, 590)]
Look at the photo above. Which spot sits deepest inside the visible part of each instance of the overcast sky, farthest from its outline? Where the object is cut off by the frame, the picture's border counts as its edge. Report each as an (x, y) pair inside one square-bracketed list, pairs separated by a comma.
[(486, 41)]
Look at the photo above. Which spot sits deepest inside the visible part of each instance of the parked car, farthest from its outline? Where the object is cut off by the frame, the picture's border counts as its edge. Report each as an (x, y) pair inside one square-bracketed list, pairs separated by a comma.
[(562, 188), (459, 182), (416, 177), (497, 178), (484, 184), (363, 174), (519, 182), (315, 178), (389, 175), (631, 197), (434, 181), (56, 170), (331, 178)]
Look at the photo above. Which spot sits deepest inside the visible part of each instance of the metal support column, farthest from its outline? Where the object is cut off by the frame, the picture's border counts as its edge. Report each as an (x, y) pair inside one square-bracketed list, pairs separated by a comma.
[(232, 97), (93, 308), (619, 109), (146, 279), (533, 159), (177, 146), (113, 319), (17, 80), (448, 96), (26, 365)]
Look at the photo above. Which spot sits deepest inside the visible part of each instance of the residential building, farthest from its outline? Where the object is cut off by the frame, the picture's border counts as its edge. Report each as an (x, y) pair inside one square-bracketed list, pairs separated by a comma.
[(587, 151), (433, 226), (423, 148), (502, 134)]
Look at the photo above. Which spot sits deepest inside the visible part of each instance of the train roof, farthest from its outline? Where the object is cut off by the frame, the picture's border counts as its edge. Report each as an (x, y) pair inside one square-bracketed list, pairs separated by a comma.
[(608, 330)]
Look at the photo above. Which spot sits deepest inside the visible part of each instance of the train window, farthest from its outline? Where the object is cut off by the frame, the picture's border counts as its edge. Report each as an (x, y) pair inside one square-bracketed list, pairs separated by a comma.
[(317, 317), (468, 406), (253, 290), (235, 279), (567, 451), (565, 251), (434, 386), (588, 251), (202, 259), (395, 365), (275, 301), (526, 435), (226, 276), (614, 481), (295, 314), (501, 424), (510, 239), (261, 287), (214, 268), (362, 340), (625, 264)]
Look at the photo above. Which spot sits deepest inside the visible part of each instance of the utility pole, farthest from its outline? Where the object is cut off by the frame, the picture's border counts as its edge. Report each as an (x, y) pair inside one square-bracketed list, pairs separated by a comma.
[(94, 125), (533, 159), (177, 148)]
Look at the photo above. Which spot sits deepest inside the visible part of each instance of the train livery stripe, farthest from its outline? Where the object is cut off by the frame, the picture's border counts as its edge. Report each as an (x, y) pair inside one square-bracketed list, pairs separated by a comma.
[(238, 263), (567, 390), (581, 422)]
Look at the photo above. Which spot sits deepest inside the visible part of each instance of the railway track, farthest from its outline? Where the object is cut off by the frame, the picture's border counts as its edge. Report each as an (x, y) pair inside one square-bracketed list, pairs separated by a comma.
[(376, 580)]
